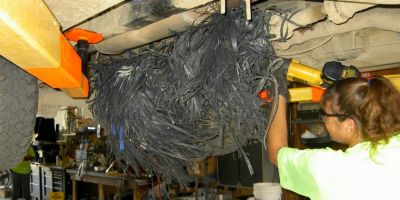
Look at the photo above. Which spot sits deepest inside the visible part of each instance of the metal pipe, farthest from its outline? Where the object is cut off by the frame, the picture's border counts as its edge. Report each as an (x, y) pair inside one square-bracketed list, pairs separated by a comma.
[(382, 18), (387, 2), (153, 32), (304, 74), (339, 12), (304, 17)]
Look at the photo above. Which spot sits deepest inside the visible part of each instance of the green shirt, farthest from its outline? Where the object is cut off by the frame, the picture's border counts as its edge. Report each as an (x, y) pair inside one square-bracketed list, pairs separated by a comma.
[(24, 167), (326, 174)]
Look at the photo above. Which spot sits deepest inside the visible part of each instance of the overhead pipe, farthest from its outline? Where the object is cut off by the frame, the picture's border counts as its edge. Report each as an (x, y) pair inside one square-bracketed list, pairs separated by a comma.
[(153, 32), (182, 21), (340, 11), (382, 18), (337, 11), (163, 28), (385, 2), (304, 17)]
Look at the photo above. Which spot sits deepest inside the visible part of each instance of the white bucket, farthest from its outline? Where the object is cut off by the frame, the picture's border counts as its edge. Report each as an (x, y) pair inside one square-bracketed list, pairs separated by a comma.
[(267, 191)]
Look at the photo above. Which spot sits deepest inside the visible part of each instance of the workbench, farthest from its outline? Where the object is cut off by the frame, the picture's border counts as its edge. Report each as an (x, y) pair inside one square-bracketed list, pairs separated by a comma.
[(139, 186)]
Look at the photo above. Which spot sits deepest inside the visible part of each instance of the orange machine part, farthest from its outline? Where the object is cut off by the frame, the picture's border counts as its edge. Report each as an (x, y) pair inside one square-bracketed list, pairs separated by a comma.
[(317, 93), (67, 75), (76, 34), (78, 92), (264, 95)]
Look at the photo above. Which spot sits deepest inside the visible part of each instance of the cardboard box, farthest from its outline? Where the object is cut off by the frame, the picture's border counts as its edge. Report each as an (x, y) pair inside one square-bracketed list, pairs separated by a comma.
[(197, 169), (5, 192), (56, 196)]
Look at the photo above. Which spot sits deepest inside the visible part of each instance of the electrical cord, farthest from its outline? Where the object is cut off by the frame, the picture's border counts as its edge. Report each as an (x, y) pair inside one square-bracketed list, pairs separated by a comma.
[(81, 171), (275, 100), (309, 49), (286, 18)]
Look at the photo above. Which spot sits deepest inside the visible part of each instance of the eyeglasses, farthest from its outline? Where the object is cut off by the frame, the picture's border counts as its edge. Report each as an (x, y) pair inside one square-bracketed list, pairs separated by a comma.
[(322, 113)]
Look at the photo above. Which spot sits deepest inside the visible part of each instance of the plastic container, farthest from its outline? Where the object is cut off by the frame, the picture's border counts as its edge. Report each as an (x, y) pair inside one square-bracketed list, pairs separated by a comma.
[(267, 191)]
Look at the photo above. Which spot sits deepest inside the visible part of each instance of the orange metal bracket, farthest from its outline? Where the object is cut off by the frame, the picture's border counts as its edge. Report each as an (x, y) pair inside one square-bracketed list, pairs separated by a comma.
[(78, 92), (67, 75), (83, 38)]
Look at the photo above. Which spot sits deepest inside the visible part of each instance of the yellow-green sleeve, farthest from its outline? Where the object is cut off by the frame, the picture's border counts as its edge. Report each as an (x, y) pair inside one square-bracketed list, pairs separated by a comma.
[(31, 152), (296, 171), (24, 167)]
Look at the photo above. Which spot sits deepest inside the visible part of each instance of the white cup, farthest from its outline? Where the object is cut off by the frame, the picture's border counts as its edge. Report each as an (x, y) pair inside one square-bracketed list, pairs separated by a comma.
[(267, 191)]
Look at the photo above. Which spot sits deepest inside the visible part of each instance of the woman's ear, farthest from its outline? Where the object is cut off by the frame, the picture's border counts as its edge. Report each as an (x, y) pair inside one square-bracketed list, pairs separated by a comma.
[(350, 125), (353, 133)]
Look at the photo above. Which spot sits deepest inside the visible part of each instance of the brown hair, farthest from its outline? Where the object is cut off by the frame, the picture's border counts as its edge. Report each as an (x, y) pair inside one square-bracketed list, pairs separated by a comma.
[(374, 104)]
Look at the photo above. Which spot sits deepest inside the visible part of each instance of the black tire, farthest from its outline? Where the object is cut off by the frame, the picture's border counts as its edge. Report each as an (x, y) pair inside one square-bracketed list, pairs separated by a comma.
[(18, 107)]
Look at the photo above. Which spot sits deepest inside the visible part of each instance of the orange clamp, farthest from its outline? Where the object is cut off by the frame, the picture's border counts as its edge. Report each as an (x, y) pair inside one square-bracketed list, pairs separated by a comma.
[(77, 34)]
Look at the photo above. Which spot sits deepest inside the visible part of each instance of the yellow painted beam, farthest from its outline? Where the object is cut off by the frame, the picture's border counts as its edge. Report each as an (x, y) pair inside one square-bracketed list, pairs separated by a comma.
[(29, 33), (307, 75), (314, 94), (78, 92), (304, 74), (31, 39), (67, 75), (395, 79), (302, 94)]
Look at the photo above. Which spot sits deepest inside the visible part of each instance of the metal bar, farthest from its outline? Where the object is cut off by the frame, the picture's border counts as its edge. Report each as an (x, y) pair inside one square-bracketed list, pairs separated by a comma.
[(395, 79), (31, 39), (223, 6), (248, 9), (300, 94), (78, 92), (67, 74), (304, 74), (315, 93)]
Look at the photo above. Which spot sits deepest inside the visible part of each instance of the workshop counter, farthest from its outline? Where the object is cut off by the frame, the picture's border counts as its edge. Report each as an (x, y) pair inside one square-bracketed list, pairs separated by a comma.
[(138, 185)]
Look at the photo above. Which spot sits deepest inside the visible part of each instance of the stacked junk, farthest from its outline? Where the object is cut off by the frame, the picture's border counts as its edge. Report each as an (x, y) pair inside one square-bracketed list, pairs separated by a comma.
[(190, 98)]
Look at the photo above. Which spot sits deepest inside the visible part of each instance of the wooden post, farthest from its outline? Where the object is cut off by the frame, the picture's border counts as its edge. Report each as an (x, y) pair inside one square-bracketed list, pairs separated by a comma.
[(248, 10), (101, 192), (74, 197), (137, 193), (223, 6)]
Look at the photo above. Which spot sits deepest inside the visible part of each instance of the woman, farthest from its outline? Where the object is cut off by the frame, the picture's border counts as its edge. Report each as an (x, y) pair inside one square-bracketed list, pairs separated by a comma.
[(365, 115)]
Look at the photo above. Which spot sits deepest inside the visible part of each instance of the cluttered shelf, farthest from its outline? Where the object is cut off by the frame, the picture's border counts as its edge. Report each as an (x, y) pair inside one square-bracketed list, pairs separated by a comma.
[(307, 127), (117, 179), (102, 179)]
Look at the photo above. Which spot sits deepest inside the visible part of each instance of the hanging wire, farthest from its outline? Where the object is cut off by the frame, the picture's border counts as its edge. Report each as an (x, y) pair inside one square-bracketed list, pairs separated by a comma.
[(188, 99), (286, 19)]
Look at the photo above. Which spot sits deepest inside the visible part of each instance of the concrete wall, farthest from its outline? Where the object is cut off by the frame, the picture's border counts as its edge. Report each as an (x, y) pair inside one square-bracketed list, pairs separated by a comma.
[(50, 101)]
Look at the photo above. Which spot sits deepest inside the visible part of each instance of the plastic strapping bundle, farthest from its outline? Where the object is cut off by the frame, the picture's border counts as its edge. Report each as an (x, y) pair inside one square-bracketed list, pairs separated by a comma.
[(189, 99)]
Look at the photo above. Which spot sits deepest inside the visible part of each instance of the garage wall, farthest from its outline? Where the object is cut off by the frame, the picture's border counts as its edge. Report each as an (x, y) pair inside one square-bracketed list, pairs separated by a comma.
[(50, 101)]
